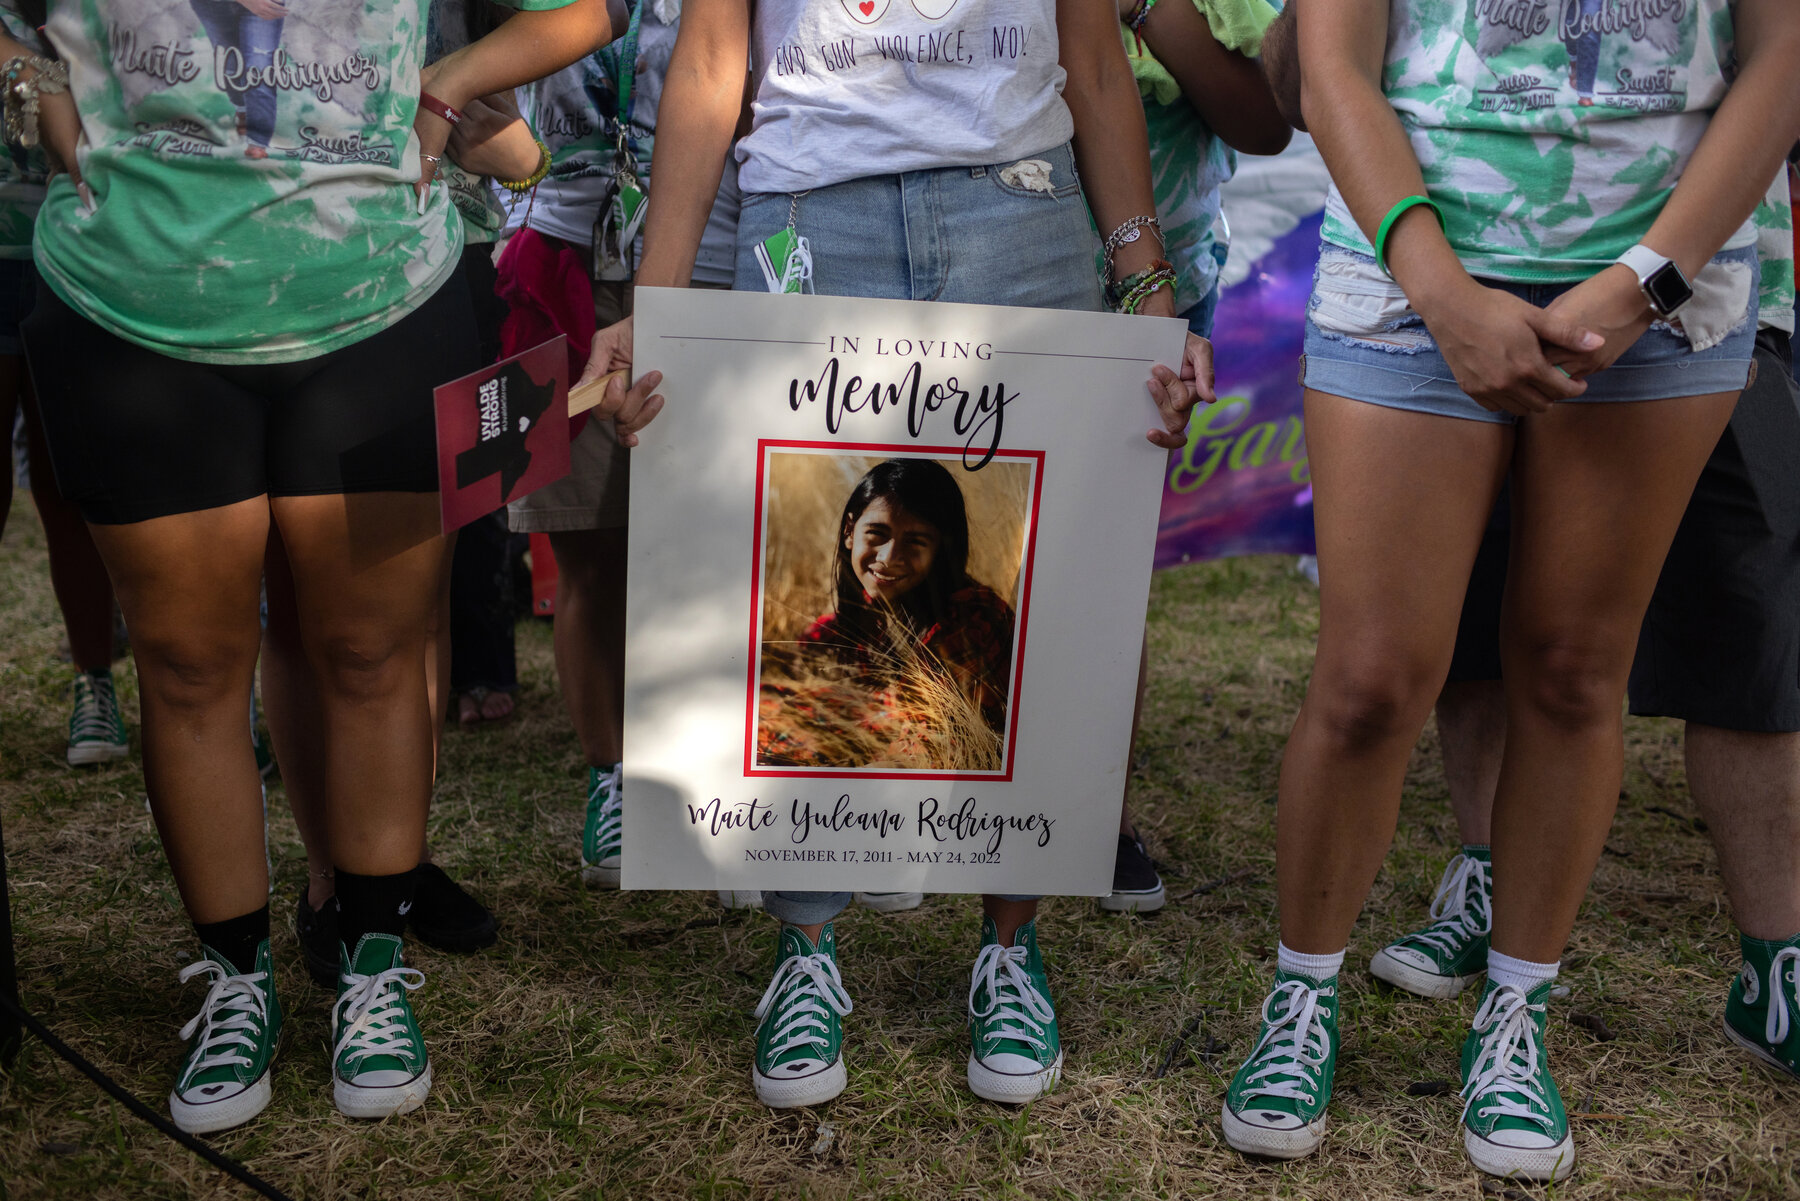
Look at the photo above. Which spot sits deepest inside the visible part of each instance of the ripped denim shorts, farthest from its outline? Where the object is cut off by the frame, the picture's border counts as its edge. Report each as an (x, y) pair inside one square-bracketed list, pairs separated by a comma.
[(1365, 342)]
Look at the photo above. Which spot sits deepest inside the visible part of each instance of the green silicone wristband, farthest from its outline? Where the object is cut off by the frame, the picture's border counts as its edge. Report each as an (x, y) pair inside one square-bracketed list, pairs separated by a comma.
[(1393, 215)]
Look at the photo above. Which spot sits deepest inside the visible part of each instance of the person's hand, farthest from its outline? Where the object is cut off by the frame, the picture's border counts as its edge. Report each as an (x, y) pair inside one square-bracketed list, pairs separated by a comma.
[(1176, 394), (268, 10), (1613, 306), (629, 408), (494, 140), (433, 130), (1495, 345)]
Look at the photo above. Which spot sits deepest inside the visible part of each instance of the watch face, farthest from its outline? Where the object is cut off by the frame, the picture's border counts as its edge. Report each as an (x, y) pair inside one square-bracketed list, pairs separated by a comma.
[(1667, 288)]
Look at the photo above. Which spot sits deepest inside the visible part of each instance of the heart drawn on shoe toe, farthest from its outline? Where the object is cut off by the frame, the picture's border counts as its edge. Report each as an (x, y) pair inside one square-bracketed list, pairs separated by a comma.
[(867, 6)]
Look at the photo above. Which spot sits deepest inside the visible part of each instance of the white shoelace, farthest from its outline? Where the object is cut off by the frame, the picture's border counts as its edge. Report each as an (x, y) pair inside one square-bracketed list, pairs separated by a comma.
[(1460, 910), (807, 986), (373, 1021), (96, 712), (1779, 1018), (222, 1037), (609, 831), (1506, 1067), (1296, 1044), (1015, 1008)]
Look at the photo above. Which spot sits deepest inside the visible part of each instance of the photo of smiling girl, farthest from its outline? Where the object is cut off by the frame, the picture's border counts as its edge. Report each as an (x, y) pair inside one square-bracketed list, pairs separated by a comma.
[(911, 667)]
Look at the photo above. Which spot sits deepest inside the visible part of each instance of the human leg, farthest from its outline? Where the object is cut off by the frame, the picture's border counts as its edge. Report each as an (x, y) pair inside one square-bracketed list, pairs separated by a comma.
[(1720, 649), (84, 595), (800, 1019), (1400, 501), (291, 705), (1599, 490), (1446, 956), (589, 644), (1015, 1047)]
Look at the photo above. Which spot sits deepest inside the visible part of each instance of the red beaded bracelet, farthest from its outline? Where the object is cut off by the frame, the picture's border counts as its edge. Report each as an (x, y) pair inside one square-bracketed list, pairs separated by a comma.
[(432, 104)]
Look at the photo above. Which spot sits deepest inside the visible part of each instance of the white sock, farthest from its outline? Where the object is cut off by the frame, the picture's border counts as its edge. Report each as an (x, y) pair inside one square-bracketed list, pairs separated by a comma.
[(1318, 967), (1522, 974)]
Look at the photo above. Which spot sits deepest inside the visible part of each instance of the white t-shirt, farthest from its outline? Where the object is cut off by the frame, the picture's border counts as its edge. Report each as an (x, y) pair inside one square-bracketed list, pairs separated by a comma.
[(847, 89)]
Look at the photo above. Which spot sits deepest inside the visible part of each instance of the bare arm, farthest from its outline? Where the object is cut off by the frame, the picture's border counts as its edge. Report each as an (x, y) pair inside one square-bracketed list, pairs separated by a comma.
[(1225, 88), (702, 96), (1281, 63), (526, 46), (1490, 338), (1112, 152)]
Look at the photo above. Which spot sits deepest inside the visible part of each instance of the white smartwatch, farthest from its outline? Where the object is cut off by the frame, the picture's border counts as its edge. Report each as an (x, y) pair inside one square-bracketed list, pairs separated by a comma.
[(1662, 282)]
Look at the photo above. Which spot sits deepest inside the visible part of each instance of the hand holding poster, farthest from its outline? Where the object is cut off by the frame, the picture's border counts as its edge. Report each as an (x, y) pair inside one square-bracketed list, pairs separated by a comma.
[(886, 593)]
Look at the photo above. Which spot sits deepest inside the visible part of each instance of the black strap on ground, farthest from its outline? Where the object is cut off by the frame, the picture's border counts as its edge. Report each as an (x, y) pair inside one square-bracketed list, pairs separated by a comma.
[(13, 1017)]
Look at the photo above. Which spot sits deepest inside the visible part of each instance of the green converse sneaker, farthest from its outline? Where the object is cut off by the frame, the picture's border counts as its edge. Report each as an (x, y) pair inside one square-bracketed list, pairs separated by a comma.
[(1513, 1118), (1451, 953), (1015, 1052), (1276, 1103), (224, 1079), (96, 730), (800, 1030), (379, 1065), (1762, 1014), (603, 833)]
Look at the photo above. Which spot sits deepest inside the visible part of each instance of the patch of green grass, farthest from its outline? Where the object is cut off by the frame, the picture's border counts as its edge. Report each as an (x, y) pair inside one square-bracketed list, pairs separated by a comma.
[(603, 1048)]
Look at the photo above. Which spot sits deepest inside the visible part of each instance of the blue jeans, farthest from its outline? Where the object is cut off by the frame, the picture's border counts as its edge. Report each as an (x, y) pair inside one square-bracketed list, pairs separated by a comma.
[(969, 235), (959, 234), (229, 26), (1585, 52)]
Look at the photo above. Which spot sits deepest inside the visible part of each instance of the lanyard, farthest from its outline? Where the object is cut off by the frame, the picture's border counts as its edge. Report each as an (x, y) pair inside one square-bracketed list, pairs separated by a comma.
[(620, 62)]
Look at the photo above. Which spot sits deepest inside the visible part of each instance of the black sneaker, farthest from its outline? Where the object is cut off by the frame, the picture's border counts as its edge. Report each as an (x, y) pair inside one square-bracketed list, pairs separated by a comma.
[(1136, 886), (318, 935), (445, 916)]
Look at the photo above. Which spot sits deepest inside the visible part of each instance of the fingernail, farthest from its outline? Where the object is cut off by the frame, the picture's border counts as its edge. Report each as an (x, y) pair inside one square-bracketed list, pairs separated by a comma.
[(87, 197), (1592, 341)]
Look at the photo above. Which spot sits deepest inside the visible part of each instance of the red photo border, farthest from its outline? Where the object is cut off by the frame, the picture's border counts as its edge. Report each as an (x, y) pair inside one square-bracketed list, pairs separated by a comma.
[(763, 447)]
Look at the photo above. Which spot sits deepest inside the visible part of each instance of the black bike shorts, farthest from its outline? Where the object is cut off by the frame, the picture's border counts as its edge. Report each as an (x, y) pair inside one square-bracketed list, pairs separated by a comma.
[(134, 434)]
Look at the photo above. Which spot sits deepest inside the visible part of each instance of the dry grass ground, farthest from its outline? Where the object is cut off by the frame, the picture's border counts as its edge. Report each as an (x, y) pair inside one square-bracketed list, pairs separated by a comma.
[(602, 1048)]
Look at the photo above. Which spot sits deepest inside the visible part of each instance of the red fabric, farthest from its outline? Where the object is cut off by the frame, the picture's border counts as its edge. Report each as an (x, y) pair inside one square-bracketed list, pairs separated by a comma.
[(544, 282)]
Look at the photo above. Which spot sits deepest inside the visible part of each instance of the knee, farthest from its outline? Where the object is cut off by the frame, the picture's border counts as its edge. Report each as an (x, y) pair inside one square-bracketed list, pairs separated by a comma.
[(1572, 682), (191, 672), (365, 665), (1369, 704)]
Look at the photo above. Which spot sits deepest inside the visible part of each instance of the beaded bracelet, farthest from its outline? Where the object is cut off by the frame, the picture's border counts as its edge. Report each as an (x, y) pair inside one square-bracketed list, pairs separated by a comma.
[(536, 177), (1139, 15), (1131, 292)]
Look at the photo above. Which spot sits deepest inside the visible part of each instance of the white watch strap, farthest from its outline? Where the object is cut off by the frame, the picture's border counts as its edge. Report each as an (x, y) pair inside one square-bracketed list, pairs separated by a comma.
[(1643, 261)]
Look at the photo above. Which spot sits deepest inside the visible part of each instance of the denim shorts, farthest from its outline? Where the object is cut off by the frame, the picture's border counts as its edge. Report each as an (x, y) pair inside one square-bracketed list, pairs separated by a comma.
[(990, 234), (1390, 358)]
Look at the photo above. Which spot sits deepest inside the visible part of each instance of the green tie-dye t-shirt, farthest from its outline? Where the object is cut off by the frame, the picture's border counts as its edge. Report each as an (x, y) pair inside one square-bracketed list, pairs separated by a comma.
[(1775, 253), (252, 177), (1551, 131), (21, 172)]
